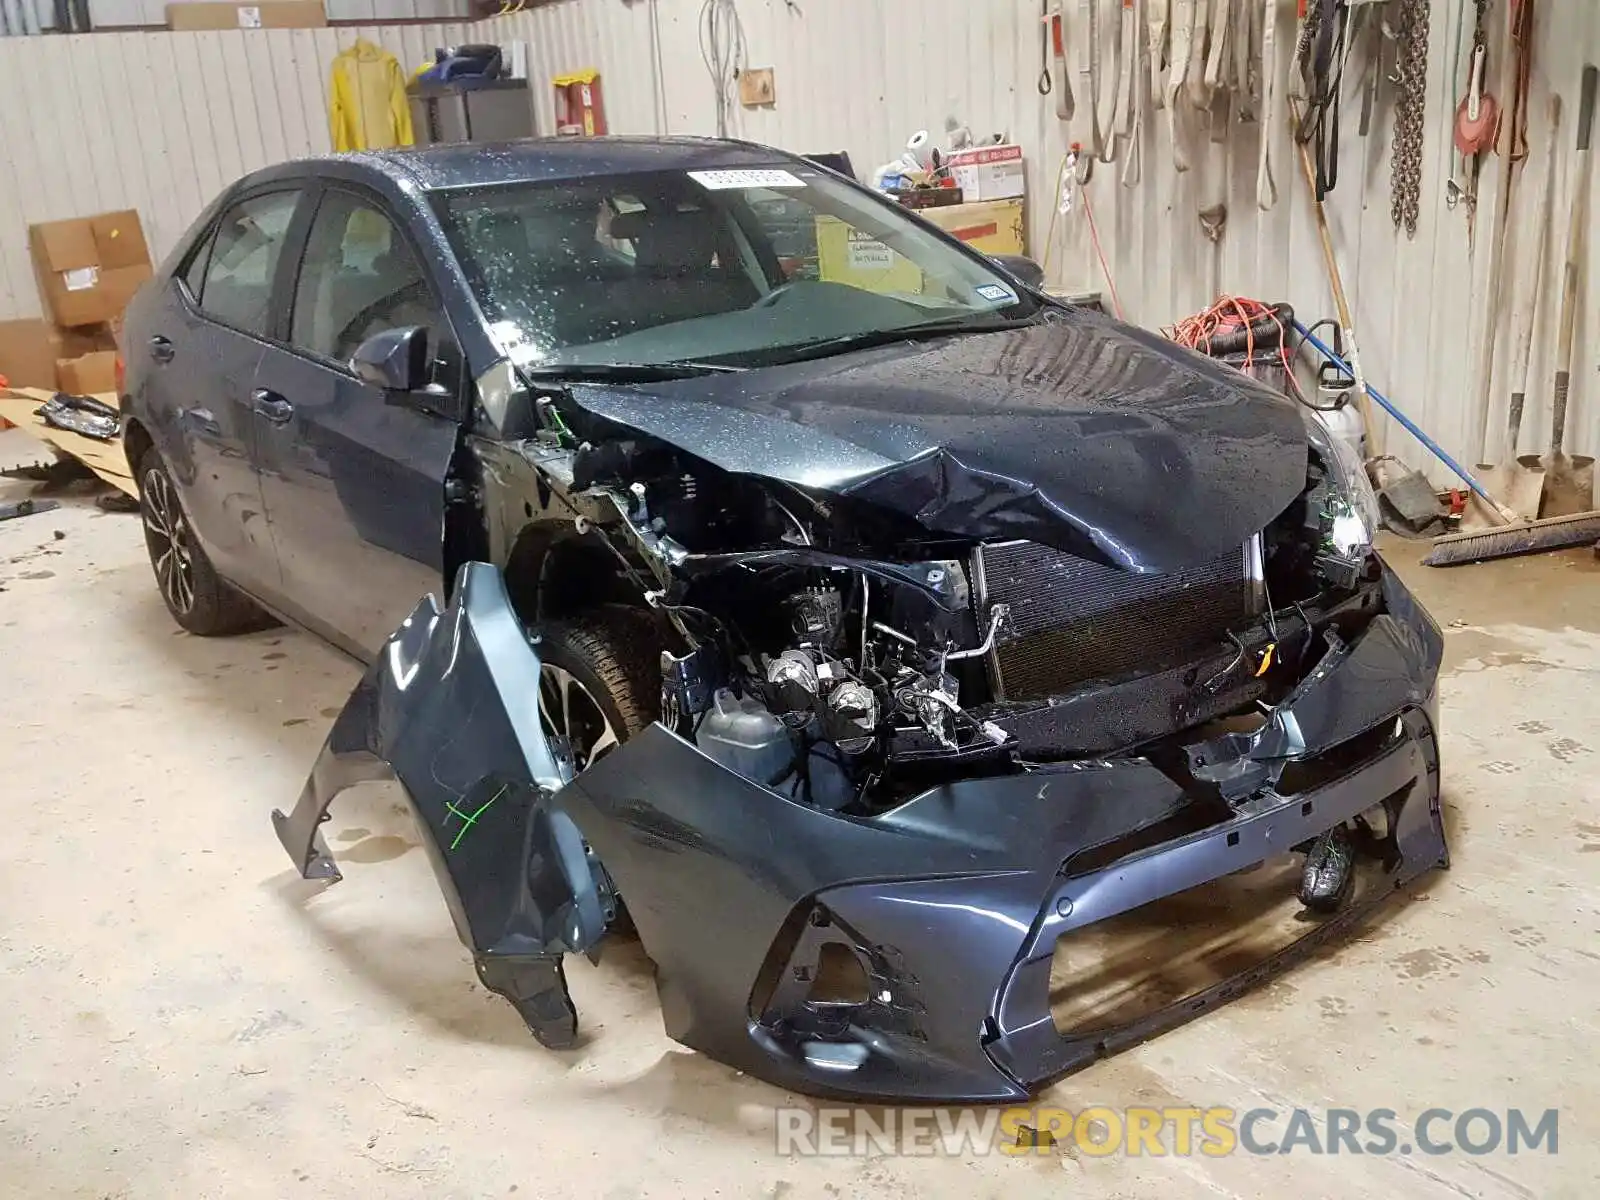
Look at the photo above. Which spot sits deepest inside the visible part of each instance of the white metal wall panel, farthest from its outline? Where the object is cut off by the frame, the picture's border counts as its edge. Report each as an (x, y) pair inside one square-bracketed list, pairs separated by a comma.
[(161, 122)]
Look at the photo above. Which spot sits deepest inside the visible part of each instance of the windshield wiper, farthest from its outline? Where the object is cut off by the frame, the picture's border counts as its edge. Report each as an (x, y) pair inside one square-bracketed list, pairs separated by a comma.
[(866, 340), (625, 372)]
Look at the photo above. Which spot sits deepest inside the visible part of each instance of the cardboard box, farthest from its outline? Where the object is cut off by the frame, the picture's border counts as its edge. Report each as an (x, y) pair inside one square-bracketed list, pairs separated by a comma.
[(119, 240), (989, 172), (89, 267), (88, 374), (30, 349), (268, 14), (119, 285), (990, 226), (64, 245)]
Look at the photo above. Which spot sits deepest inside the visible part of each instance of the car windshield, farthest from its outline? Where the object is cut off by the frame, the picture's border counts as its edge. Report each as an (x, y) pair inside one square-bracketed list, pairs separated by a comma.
[(737, 267)]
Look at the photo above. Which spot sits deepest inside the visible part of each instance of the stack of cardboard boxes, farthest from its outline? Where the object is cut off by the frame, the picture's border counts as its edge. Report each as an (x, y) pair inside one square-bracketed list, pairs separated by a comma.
[(88, 269)]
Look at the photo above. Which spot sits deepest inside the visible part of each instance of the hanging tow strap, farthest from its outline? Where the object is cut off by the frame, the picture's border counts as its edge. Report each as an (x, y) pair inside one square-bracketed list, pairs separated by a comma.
[(1182, 35), (1194, 74), (1271, 114), (1137, 73), (1155, 17), (1322, 55), (1066, 102), (1127, 73), (1108, 95), (1243, 39), (1516, 132), (1089, 75), (1220, 27), (1047, 80)]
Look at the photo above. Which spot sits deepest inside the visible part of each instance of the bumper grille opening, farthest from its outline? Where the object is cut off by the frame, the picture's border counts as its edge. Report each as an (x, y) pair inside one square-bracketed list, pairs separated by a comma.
[(1074, 620), (1122, 970)]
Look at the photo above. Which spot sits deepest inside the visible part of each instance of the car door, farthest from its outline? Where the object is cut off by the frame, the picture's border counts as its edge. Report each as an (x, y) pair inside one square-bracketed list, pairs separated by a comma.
[(205, 343), (353, 476)]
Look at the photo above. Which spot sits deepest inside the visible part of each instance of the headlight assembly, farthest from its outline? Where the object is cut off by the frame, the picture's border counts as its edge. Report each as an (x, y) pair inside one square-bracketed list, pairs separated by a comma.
[(1349, 507)]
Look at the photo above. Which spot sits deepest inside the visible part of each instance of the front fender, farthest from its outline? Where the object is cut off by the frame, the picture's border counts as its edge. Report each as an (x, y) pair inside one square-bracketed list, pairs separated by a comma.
[(429, 713)]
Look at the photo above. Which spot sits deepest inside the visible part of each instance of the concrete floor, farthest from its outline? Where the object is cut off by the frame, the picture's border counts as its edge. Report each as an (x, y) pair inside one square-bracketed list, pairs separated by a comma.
[(185, 1016)]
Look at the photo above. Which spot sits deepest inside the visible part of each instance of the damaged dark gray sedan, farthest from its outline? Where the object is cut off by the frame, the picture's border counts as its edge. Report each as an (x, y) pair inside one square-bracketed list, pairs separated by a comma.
[(821, 601)]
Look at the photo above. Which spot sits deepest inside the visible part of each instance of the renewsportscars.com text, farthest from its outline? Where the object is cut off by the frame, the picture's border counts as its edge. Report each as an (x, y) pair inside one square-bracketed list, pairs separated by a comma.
[(1138, 1131)]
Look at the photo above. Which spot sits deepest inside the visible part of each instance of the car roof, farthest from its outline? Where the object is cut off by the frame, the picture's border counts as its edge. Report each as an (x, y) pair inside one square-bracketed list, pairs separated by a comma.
[(476, 164)]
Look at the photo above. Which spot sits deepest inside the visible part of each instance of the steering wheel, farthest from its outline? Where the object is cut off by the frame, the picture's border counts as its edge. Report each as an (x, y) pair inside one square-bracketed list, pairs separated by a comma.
[(771, 297)]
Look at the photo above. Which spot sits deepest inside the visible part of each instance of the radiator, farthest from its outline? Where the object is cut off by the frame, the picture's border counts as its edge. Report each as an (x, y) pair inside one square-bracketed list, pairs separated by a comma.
[(1073, 621)]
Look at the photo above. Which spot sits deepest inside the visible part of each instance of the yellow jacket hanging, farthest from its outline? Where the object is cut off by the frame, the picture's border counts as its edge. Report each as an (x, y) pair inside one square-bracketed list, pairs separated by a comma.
[(367, 108)]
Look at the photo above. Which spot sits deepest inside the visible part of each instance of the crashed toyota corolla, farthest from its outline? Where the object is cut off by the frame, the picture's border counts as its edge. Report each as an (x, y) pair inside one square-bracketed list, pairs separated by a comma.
[(921, 651)]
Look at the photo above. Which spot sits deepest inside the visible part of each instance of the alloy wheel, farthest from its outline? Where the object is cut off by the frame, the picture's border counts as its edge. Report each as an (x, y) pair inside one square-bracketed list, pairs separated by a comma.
[(569, 711), (171, 542)]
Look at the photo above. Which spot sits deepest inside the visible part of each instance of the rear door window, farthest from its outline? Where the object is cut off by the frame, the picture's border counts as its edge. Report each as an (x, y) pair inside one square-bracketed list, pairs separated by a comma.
[(236, 284)]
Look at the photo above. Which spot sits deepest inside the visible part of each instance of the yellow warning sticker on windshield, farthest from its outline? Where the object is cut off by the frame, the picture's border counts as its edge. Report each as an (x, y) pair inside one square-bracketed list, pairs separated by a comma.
[(718, 181)]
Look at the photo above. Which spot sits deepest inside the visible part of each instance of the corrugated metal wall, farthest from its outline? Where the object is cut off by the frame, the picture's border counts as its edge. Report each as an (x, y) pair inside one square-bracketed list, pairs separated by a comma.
[(170, 117), (31, 16), (160, 122)]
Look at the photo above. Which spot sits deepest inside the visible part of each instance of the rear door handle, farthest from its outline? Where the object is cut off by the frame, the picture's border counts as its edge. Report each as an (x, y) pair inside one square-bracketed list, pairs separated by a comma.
[(271, 406), (161, 349)]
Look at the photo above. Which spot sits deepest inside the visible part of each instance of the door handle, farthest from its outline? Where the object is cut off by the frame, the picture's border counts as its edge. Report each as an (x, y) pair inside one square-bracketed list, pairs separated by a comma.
[(161, 349), (271, 406)]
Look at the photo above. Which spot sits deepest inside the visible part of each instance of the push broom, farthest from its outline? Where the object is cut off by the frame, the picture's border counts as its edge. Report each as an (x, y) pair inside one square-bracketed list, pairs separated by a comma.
[(1511, 535)]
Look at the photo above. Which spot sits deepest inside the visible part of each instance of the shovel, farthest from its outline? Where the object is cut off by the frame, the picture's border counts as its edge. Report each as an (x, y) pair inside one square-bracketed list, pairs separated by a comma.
[(1569, 481), (1519, 482)]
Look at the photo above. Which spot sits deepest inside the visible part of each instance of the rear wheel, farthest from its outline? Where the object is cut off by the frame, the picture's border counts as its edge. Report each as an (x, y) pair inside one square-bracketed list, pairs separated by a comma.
[(198, 598)]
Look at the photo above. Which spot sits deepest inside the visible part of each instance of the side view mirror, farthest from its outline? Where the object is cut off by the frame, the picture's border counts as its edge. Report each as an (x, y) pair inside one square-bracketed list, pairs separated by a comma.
[(1022, 268), (396, 359)]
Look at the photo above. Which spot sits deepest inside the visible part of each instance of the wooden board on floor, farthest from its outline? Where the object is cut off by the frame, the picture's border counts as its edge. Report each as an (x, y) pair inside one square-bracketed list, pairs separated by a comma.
[(105, 459)]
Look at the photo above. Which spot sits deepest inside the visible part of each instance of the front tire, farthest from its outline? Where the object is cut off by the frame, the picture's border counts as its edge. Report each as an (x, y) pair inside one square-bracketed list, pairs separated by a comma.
[(199, 599), (599, 680)]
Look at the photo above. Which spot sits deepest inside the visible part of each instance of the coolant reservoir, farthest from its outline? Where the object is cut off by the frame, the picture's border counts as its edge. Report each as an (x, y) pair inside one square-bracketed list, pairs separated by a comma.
[(1345, 423), (744, 736)]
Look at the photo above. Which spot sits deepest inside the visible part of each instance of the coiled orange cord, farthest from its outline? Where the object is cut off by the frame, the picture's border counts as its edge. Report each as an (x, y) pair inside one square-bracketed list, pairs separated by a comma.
[(1230, 314)]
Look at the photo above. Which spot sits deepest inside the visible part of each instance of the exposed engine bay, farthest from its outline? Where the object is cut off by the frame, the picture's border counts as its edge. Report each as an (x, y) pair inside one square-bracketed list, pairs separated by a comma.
[(808, 661)]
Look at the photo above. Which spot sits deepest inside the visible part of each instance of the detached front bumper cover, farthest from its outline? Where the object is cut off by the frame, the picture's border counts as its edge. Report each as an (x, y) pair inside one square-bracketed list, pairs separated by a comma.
[(951, 903)]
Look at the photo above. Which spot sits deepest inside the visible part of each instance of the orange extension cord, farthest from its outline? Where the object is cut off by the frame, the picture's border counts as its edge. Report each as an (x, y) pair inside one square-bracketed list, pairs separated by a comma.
[(1230, 314)]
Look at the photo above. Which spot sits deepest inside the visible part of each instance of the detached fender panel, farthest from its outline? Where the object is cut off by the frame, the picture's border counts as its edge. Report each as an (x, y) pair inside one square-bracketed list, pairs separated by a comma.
[(450, 710)]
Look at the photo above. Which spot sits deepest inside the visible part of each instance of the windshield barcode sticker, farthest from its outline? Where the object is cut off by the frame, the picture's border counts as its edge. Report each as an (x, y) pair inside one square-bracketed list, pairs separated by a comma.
[(995, 291), (718, 181)]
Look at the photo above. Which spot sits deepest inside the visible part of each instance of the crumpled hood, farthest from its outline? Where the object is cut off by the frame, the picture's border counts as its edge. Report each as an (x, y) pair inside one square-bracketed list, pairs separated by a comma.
[(1085, 434)]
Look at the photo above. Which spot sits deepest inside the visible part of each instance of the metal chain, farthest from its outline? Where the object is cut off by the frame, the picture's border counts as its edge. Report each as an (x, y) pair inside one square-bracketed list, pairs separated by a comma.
[(1405, 179)]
